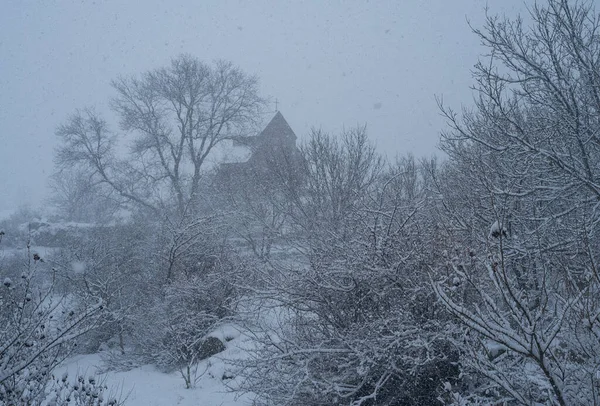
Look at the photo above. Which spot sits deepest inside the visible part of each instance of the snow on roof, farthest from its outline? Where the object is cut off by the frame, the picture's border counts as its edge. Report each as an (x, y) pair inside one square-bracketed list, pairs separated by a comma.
[(230, 152)]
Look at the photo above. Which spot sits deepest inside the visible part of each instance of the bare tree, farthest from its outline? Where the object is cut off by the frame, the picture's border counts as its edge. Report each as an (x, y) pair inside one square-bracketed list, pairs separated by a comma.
[(337, 174), (177, 115), (526, 226), (79, 198)]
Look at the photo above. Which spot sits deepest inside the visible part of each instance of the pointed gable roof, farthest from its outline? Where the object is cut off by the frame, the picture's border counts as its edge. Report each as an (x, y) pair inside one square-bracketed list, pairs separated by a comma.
[(277, 132), (277, 142), (278, 128)]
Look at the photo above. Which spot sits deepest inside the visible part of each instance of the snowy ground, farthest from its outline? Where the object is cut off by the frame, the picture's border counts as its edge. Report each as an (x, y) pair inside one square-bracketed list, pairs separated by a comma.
[(146, 386)]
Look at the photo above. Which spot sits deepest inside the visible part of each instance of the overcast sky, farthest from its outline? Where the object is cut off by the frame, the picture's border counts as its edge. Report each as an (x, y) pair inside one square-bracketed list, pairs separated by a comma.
[(329, 63)]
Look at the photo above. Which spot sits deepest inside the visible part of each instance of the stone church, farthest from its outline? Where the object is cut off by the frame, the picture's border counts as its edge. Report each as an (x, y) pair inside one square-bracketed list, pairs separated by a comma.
[(273, 152)]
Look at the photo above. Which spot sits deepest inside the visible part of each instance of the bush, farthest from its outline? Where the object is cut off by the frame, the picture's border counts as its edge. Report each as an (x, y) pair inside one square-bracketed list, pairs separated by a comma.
[(38, 329)]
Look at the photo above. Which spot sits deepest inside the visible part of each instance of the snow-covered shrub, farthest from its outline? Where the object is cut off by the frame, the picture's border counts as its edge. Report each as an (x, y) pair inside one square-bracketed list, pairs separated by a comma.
[(111, 262), (38, 329), (521, 203), (83, 391), (358, 324), (171, 331)]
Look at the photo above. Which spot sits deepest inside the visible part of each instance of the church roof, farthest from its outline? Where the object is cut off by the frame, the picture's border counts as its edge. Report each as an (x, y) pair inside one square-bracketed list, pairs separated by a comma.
[(276, 132), (276, 141), (278, 127)]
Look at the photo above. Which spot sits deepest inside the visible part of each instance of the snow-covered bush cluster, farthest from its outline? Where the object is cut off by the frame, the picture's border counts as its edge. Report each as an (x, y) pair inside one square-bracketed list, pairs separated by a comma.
[(357, 322), (173, 330), (360, 280), (524, 166), (39, 330)]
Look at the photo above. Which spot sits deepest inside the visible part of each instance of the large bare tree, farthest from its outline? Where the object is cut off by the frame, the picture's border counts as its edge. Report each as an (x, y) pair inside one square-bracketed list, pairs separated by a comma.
[(175, 116)]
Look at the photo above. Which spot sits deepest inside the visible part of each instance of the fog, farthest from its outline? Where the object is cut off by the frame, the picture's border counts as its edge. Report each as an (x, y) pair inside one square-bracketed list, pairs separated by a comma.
[(299, 203), (329, 65)]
